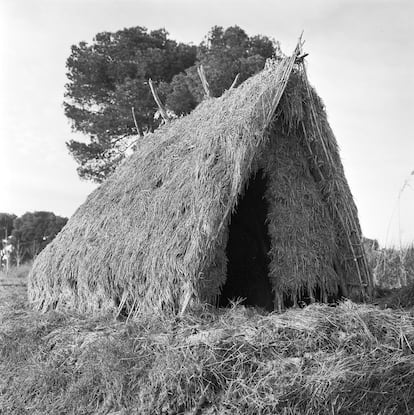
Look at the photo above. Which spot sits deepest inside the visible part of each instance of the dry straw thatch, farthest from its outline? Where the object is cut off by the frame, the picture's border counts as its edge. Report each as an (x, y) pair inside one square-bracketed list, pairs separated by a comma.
[(350, 359), (153, 237)]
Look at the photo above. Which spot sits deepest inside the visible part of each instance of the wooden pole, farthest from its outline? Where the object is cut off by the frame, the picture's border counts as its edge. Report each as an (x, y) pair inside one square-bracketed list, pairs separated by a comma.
[(234, 82), (202, 75), (139, 130), (158, 101)]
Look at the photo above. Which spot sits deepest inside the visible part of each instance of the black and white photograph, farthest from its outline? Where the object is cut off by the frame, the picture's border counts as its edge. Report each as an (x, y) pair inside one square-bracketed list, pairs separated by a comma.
[(206, 207)]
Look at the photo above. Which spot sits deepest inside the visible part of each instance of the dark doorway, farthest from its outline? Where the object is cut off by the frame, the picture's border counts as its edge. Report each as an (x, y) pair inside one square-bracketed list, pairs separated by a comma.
[(247, 250)]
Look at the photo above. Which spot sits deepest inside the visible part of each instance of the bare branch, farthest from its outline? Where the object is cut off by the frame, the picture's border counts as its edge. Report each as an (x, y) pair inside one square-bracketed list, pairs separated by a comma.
[(234, 82), (139, 130), (158, 101), (202, 75)]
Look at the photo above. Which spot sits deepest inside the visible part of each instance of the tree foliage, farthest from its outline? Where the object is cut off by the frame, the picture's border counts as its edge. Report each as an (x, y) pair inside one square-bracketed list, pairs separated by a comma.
[(108, 80), (29, 233), (33, 231), (6, 224), (224, 54)]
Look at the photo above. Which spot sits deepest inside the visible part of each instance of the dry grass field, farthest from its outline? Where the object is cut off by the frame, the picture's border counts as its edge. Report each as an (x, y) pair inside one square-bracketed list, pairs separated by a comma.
[(348, 359), (13, 284)]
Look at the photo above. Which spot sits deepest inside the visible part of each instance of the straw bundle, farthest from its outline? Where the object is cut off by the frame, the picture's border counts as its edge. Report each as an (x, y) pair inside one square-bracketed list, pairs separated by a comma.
[(350, 359), (153, 237)]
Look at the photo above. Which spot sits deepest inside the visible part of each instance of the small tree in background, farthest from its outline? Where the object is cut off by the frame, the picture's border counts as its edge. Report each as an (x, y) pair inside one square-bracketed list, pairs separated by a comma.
[(6, 247), (6, 224)]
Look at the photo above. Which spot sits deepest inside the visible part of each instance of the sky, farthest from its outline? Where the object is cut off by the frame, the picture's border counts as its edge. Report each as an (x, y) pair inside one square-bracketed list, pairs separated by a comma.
[(360, 61)]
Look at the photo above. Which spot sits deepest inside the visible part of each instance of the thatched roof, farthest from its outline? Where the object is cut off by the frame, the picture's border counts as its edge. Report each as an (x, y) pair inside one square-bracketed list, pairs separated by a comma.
[(153, 236)]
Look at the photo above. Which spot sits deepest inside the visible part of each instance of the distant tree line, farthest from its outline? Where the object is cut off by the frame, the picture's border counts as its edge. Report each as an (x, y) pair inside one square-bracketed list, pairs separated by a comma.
[(108, 98), (22, 238)]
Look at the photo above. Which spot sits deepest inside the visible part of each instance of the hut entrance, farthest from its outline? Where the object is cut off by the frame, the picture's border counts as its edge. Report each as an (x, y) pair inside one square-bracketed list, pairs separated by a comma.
[(247, 250)]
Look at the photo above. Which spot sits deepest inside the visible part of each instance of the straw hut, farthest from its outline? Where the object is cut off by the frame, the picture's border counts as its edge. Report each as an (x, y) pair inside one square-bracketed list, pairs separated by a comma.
[(244, 197)]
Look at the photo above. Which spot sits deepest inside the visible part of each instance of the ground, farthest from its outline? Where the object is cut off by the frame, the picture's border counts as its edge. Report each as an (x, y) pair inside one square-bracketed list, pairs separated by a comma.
[(348, 359)]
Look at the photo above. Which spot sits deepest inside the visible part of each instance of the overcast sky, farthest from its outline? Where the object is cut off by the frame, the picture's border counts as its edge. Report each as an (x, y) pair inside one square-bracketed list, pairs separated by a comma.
[(360, 61)]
